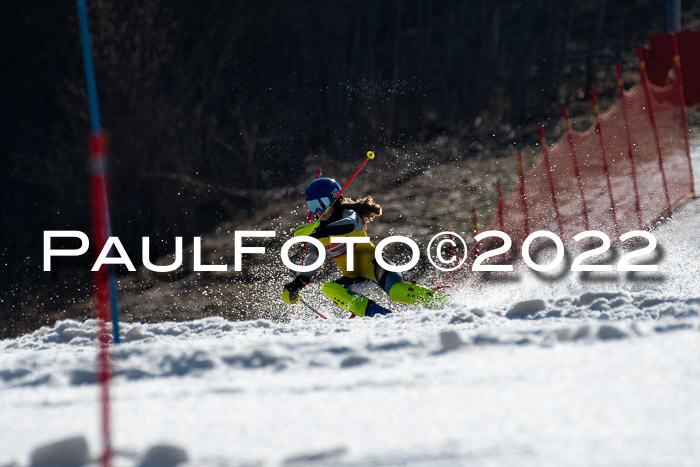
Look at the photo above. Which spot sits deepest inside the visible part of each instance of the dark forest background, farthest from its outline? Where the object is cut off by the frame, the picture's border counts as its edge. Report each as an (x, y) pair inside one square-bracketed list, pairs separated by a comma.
[(209, 105)]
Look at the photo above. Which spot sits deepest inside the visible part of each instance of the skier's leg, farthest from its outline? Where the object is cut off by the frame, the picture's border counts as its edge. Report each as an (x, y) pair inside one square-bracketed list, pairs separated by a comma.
[(404, 292), (345, 292)]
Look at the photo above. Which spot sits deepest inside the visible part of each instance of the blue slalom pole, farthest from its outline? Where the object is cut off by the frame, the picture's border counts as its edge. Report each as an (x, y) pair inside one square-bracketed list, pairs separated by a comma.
[(98, 169), (89, 67)]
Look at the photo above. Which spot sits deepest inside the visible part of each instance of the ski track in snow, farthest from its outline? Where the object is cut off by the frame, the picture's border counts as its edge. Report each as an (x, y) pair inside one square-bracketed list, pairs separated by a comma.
[(526, 372)]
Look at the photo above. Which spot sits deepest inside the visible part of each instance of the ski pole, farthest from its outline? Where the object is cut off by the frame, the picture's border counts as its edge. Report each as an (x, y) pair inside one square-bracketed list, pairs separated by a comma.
[(370, 155), (311, 308)]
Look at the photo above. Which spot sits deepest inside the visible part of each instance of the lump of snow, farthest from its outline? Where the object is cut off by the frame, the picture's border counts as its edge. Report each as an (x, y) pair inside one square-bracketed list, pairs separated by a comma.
[(481, 339), (564, 334), (256, 359), (71, 452), (526, 308), (583, 332), (137, 332), (689, 313), (639, 328), (462, 318), (169, 329), (606, 332), (590, 297), (338, 350), (70, 335), (10, 374), (316, 457), (668, 311), (353, 360), (391, 345), (39, 380), (134, 373), (181, 365), (65, 331), (164, 455), (672, 327), (618, 303), (649, 302), (83, 376), (600, 305), (450, 340)]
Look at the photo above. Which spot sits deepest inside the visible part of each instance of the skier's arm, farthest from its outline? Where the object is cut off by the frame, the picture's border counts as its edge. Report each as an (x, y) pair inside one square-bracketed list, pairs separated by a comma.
[(291, 290), (346, 224), (313, 256)]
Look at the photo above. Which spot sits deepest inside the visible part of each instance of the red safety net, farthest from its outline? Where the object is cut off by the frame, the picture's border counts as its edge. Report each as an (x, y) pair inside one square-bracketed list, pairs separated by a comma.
[(658, 56), (649, 157)]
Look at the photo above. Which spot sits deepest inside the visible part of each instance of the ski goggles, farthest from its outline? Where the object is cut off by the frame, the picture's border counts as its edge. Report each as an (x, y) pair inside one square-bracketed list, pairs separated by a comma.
[(320, 203)]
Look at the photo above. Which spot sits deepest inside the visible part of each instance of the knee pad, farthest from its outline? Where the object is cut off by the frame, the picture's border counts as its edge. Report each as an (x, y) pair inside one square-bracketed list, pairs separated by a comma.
[(342, 297), (413, 294)]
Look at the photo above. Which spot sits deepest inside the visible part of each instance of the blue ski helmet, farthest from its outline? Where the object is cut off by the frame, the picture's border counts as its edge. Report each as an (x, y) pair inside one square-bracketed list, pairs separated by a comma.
[(320, 193)]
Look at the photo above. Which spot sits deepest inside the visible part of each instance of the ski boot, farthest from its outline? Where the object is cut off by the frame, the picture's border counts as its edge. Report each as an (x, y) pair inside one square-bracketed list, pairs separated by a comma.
[(413, 294)]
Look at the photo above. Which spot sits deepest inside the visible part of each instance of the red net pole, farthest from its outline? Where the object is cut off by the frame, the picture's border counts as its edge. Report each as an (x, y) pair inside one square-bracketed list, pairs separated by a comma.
[(475, 230), (453, 250), (630, 150), (681, 100), (523, 198), (550, 179), (499, 189), (105, 284), (98, 199), (647, 92), (606, 168), (577, 172)]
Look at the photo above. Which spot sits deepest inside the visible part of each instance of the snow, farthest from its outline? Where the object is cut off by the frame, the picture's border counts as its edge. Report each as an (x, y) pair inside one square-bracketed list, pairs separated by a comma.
[(521, 372), (64, 453), (561, 393)]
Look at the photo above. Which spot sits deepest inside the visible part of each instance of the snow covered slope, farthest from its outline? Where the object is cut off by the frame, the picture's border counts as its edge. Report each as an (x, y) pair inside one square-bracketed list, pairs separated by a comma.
[(526, 372)]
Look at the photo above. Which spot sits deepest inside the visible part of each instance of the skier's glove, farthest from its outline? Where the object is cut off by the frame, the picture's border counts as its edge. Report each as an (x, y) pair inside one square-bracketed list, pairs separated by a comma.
[(306, 230), (290, 294)]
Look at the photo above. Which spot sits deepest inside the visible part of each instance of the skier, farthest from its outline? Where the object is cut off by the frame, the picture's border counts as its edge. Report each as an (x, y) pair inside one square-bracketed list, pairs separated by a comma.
[(348, 218)]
